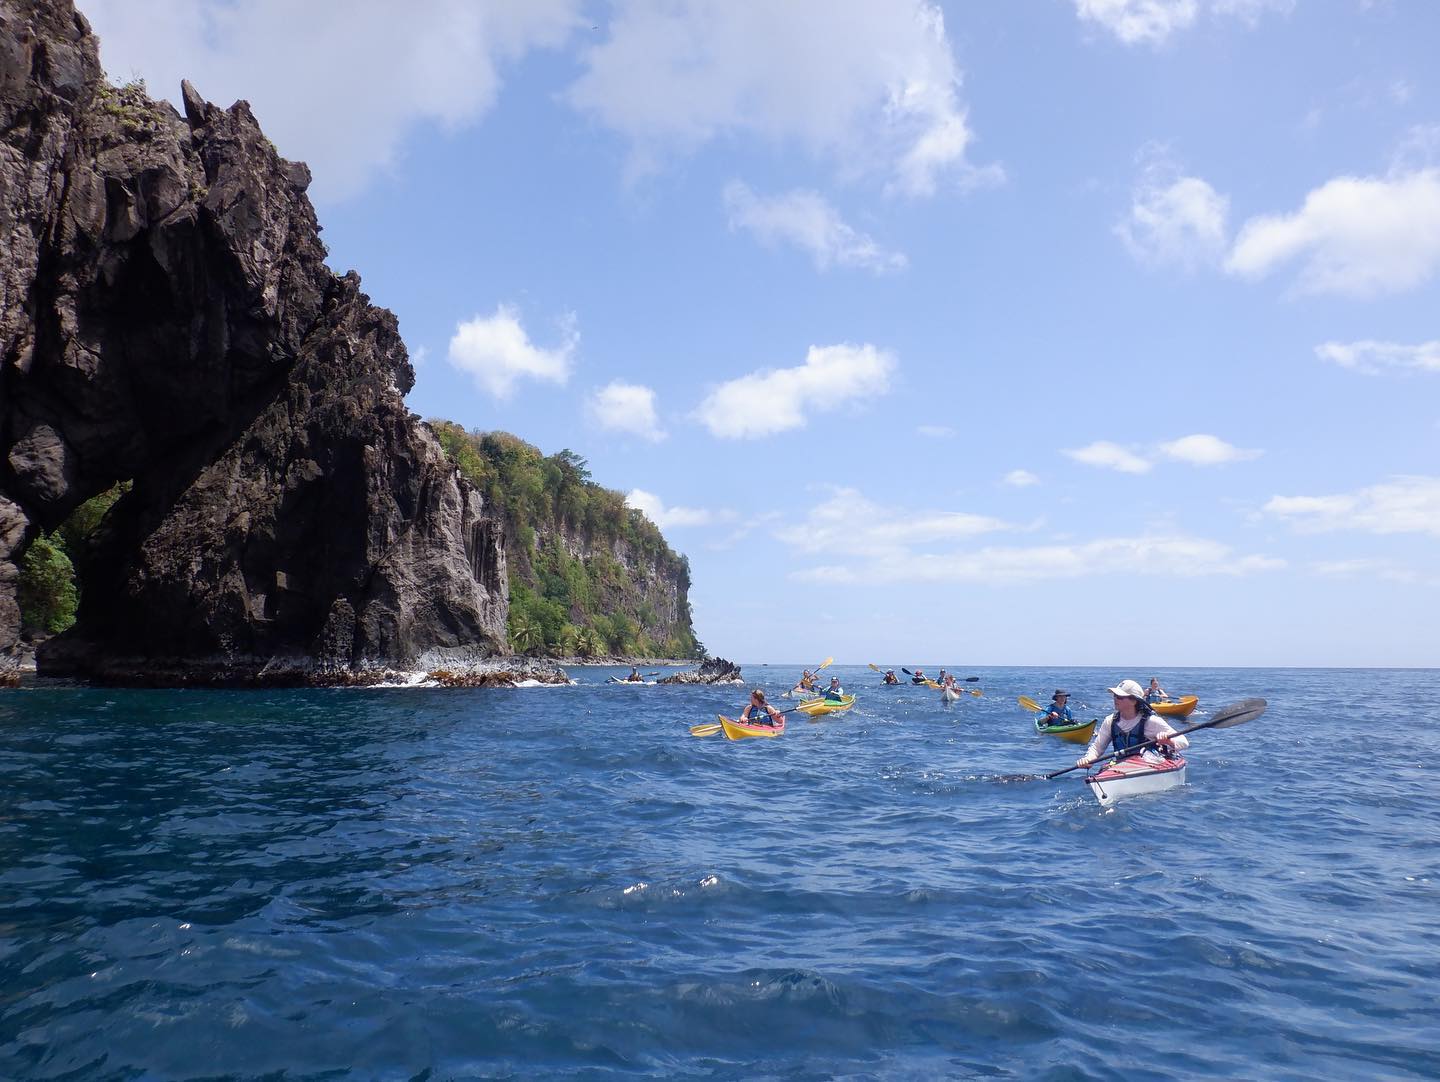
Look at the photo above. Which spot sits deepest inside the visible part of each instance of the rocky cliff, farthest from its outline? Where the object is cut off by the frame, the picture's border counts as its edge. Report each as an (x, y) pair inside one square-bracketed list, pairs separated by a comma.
[(166, 318)]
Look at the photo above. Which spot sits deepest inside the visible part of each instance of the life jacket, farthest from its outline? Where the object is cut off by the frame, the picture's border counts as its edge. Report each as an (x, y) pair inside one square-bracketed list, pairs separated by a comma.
[(1121, 741), (918, 680), (834, 695)]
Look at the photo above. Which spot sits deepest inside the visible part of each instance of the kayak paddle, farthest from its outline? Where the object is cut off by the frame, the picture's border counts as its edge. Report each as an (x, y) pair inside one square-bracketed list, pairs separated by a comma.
[(1029, 704)]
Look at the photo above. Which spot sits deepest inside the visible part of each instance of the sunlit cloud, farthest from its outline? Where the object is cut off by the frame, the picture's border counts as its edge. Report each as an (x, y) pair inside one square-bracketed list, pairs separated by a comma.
[(805, 220), (1373, 357), (872, 87), (1109, 456), (337, 85), (1020, 479), (626, 407), (1406, 504), (779, 400), (935, 432), (847, 522), (1153, 22), (1174, 220), (1206, 450), (497, 353), (1353, 236), (672, 517)]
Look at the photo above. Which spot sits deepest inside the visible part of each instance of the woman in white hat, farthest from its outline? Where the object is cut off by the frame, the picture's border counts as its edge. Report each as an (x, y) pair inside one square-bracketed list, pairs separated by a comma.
[(1132, 723)]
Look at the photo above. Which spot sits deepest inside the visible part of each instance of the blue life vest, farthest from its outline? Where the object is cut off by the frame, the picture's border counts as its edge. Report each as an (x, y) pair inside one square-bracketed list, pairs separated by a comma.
[(1122, 741)]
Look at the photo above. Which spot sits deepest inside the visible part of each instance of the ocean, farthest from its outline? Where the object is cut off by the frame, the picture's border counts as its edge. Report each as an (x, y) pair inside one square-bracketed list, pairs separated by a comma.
[(561, 882)]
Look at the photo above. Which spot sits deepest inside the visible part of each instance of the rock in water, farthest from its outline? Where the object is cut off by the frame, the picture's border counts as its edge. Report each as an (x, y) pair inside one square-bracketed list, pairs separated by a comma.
[(713, 670), (168, 319)]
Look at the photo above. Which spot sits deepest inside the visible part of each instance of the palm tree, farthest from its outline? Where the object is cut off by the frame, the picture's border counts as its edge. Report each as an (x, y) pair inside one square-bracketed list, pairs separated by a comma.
[(526, 635)]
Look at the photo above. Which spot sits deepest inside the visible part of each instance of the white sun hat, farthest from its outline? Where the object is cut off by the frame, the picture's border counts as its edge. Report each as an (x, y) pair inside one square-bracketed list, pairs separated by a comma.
[(1130, 688)]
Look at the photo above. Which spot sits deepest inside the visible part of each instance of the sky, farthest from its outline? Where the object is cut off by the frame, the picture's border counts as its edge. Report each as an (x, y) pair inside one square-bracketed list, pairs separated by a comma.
[(1063, 332)]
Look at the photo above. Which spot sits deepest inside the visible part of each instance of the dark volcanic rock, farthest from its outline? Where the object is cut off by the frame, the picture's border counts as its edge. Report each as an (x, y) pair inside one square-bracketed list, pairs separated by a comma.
[(713, 670), (168, 319)]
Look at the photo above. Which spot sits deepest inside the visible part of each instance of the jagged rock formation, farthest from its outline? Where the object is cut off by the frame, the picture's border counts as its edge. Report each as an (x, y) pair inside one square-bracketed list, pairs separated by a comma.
[(713, 670), (166, 317)]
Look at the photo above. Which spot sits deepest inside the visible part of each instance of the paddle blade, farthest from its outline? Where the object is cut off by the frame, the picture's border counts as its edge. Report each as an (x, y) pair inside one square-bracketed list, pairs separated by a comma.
[(972, 680), (822, 664), (704, 730), (877, 668), (976, 691), (1029, 704), (1236, 714)]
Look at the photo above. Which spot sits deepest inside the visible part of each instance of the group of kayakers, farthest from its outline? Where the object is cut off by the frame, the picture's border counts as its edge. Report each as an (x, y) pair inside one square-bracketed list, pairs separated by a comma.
[(758, 711), (1132, 722)]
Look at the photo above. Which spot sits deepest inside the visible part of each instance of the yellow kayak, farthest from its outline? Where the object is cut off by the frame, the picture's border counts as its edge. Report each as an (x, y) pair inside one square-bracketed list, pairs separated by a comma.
[(1077, 732), (1180, 708), (739, 730), (816, 707)]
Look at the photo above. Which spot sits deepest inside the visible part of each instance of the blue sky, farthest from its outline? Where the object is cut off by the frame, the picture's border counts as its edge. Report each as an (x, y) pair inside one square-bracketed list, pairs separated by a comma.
[(1061, 332)]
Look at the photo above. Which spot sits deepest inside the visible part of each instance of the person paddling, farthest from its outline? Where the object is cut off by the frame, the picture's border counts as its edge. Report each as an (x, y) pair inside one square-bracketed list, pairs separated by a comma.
[(1155, 693), (1132, 723), (834, 693), (919, 677), (634, 677), (758, 712), (890, 677), (1058, 713)]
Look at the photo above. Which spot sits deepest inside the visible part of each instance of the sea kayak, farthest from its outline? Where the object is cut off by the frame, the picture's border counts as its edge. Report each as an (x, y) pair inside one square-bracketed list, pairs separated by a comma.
[(1145, 773), (1180, 708), (949, 695), (739, 730), (816, 707), (797, 692), (1077, 732)]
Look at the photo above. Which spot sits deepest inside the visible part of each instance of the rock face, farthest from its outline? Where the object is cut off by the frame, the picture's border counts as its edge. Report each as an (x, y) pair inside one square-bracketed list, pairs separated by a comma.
[(166, 318), (713, 670)]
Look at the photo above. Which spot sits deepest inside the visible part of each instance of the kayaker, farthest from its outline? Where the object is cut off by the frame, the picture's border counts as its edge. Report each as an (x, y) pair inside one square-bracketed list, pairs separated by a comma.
[(1155, 693), (807, 681), (634, 677), (1132, 723), (834, 693), (919, 677), (890, 677), (758, 712), (1058, 712)]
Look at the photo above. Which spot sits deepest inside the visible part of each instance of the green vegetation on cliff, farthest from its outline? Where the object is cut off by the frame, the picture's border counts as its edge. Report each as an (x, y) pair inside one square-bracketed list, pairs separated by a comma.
[(569, 593), (48, 590)]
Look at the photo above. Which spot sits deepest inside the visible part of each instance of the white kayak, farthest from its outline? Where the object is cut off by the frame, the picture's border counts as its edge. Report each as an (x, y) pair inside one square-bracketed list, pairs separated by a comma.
[(1144, 773), (949, 695)]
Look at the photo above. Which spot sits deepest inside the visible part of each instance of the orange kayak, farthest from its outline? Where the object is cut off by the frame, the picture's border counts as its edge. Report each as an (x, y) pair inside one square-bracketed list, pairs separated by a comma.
[(1180, 708)]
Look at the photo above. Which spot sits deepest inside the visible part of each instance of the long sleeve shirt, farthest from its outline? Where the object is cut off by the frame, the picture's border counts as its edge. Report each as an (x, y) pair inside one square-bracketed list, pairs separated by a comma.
[(1155, 726)]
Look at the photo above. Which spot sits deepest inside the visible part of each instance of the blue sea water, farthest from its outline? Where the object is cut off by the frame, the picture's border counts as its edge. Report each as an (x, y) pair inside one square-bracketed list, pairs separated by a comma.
[(562, 882)]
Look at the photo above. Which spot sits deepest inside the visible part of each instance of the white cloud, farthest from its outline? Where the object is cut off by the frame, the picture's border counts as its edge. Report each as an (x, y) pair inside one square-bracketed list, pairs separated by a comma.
[(1132, 21), (872, 86), (935, 432), (1354, 236), (336, 84), (1205, 450), (627, 407), (1372, 357), (851, 524), (497, 352), (1151, 22), (805, 220), (1020, 479), (665, 517), (1406, 504), (1110, 456), (777, 400), (1174, 219)]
